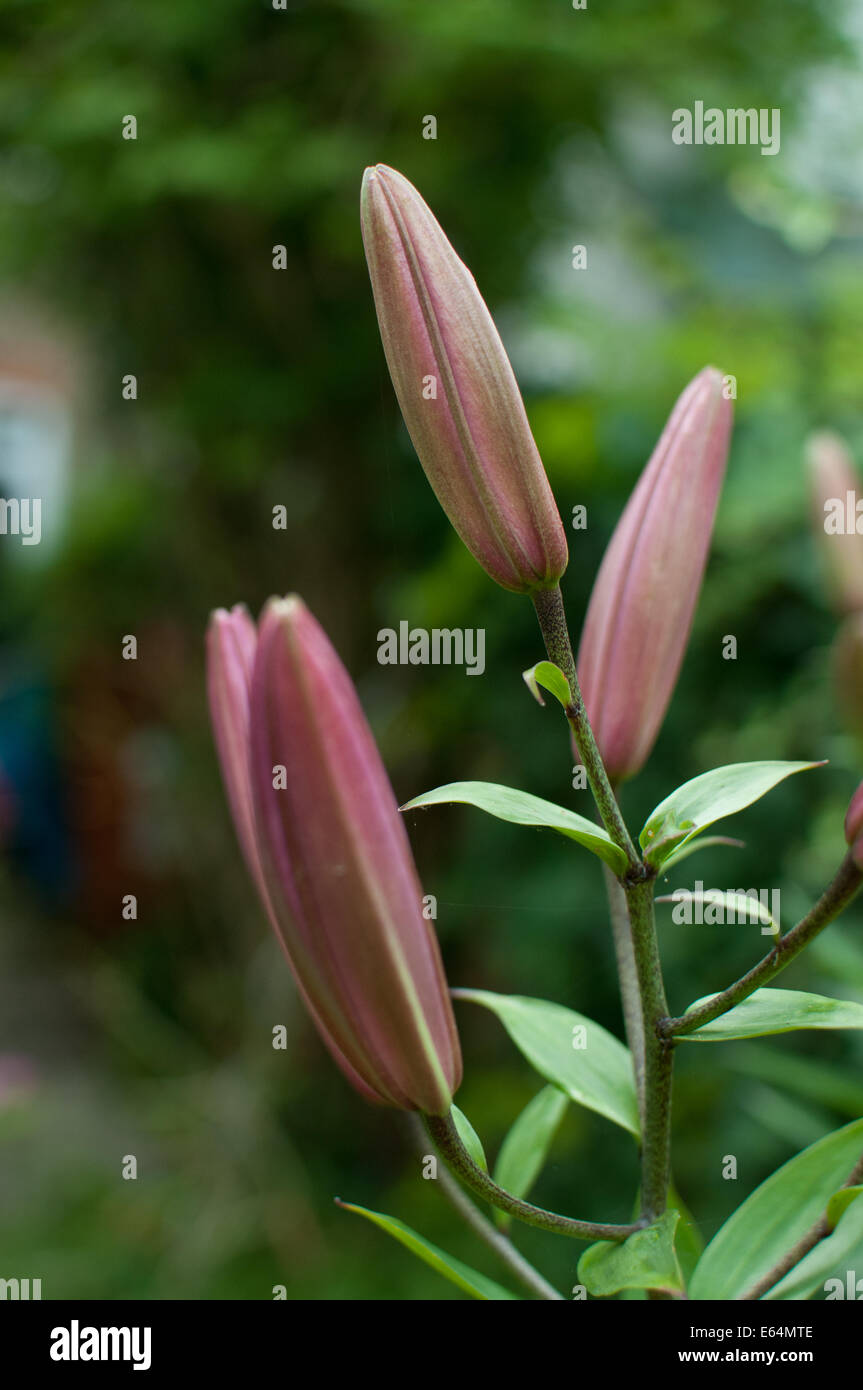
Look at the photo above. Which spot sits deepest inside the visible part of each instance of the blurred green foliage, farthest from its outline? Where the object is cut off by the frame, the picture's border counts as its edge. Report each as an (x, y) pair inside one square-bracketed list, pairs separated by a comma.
[(259, 388)]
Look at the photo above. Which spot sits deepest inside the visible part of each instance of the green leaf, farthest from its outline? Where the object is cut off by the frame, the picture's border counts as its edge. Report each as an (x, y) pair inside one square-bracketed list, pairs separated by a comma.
[(708, 798), (838, 1202), (776, 1011), (688, 1242), (468, 1280), (520, 808), (591, 1065), (524, 1149), (830, 1258), (469, 1137), (736, 908), (645, 1260), (814, 1081), (702, 842), (552, 679), (775, 1216)]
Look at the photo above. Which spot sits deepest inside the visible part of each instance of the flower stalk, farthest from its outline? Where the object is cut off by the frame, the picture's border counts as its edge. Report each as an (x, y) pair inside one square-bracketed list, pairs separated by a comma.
[(835, 898), (443, 1132)]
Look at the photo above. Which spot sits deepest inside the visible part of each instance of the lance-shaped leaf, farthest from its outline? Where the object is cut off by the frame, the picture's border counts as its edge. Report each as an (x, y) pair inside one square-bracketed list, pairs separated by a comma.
[(776, 1216), (552, 679), (526, 1145), (469, 1137), (719, 908), (776, 1011), (706, 799), (703, 842), (832, 1257), (469, 1280), (839, 1202), (645, 1260), (520, 808), (591, 1065)]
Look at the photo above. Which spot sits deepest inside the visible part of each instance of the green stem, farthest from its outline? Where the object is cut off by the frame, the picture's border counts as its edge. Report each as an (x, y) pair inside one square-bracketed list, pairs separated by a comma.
[(624, 951), (833, 900), (807, 1242), (635, 943), (444, 1134), (515, 1262), (658, 1053), (555, 633)]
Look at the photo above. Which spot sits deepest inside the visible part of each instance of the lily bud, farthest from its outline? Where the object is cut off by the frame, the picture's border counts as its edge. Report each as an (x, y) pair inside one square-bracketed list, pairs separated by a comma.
[(231, 643), (836, 488), (232, 640), (854, 826), (848, 673), (457, 390), (336, 872), (643, 601)]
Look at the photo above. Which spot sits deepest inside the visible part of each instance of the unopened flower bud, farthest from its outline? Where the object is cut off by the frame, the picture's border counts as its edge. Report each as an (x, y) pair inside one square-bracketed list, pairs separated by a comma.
[(836, 489), (847, 665), (854, 826), (457, 390), (644, 598), (320, 828)]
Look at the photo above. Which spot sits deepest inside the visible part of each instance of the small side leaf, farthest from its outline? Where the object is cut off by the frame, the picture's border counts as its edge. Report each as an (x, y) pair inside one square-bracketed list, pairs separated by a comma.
[(552, 679), (520, 808), (735, 908), (775, 1216), (469, 1280), (579, 1056), (776, 1011), (688, 1241), (524, 1149), (645, 1260), (832, 1257), (693, 846), (708, 798), (469, 1137), (838, 1202)]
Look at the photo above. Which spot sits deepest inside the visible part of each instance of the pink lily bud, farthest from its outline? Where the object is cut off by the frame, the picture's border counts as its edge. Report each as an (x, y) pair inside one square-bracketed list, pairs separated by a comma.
[(457, 390), (643, 601), (836, 488), (337, 875), (848, 673), (854, 826), (232, 640)]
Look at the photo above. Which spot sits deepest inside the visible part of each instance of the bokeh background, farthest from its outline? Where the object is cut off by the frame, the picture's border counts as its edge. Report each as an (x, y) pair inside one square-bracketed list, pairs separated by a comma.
[(259, 387)]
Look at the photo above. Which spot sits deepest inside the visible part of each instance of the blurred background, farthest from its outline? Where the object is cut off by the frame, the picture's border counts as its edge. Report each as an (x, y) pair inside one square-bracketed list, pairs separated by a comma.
[(151, 1036)]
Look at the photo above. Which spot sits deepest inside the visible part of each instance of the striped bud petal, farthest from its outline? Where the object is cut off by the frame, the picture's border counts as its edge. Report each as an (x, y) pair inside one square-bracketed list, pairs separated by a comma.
[(339, 873), (836, 488), (457, 390), (847, 666), (854, 826), (643, 602), (231, 644)]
